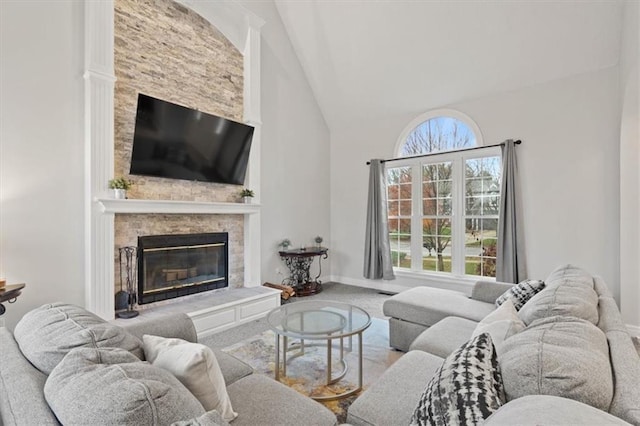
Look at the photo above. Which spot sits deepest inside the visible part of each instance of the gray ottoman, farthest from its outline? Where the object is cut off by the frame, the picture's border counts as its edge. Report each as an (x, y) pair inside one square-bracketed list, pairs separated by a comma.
[(417, 309)]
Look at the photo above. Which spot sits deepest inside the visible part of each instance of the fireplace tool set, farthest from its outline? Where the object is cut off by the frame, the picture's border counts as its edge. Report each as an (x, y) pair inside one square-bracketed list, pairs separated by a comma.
[(126, 299)]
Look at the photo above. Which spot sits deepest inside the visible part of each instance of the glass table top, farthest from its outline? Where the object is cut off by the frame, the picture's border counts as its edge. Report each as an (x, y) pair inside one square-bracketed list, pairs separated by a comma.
[(318, 319)]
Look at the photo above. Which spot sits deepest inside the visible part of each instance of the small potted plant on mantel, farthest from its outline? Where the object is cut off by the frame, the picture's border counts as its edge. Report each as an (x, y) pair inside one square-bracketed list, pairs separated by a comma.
[(120, 186), (247, 195)]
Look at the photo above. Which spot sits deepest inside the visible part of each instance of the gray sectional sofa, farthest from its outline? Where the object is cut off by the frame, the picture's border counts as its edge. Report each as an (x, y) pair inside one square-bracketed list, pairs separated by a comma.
[(573, 363), (23, 400)]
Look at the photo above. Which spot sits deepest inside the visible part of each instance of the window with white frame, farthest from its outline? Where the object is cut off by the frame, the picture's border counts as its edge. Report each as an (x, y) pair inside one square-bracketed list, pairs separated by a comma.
[(443, 208)]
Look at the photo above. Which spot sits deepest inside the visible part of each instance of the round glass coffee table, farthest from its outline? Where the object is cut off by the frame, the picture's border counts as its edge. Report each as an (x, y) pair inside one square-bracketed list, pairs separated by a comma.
[(324, 321)]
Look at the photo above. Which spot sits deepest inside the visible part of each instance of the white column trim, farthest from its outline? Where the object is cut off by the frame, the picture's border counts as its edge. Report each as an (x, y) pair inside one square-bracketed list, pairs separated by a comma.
[(252, 115), (88, 74), (98, 121)]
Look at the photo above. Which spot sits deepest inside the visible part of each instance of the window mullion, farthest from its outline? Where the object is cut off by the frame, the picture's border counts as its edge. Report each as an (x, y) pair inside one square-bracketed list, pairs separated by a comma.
[(416, 217), (458, 260)]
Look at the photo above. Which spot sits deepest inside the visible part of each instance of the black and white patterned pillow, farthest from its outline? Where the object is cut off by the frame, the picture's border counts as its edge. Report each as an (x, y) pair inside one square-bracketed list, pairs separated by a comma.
[(521, 293), (465, 390)]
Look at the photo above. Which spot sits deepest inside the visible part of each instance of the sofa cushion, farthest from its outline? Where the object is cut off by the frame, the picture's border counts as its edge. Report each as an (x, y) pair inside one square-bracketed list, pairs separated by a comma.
[(427, 306), (521, 293), (392, 399), (173, 325), (46, 334), (110, 386), (561, 356), (568, 301), (210, 418), (195, 366), (569, 275), (21, 387), (500, 324), (625, 362), (260, 400), (445, 336), (537, 410), (232, 368), (466, 389)]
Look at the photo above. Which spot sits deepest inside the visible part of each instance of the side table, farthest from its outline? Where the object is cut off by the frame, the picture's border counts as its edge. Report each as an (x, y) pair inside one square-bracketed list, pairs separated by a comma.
[(299, 262), (9, 294)]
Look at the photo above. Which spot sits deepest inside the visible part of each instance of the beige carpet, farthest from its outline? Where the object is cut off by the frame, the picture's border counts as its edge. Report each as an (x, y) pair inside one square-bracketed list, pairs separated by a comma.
[(307, 373)]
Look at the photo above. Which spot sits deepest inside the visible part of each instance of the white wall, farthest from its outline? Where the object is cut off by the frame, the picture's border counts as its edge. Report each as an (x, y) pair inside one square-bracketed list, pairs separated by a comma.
[(295, 150), (568, 163), (41, 154), (629, 165)]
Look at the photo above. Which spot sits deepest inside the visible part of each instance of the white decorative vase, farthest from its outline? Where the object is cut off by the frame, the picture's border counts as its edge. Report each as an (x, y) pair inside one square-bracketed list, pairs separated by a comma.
[(247, 200), (119, 194)]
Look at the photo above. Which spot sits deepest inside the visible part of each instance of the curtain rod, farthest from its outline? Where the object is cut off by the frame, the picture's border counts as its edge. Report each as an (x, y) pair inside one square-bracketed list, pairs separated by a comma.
[(518, 142)]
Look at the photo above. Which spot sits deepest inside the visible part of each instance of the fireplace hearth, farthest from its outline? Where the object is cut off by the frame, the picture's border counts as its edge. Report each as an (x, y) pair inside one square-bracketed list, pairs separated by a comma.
[(171, 266)]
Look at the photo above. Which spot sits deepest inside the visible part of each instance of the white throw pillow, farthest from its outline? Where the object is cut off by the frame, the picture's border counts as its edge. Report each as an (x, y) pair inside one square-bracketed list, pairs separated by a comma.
[(501, 324), (196, 367)]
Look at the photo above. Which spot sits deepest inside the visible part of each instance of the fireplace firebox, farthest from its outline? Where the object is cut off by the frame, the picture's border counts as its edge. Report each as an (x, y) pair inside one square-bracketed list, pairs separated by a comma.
[(172, 266)]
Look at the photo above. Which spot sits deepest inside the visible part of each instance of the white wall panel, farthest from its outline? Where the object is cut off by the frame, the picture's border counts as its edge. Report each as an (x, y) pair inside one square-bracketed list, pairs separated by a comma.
[(41, 152), (630, 167), (295, 166)]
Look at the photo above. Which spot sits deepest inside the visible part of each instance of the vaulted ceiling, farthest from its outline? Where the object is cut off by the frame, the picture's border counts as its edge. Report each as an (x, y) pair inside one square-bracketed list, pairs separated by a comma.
[(371, 59)]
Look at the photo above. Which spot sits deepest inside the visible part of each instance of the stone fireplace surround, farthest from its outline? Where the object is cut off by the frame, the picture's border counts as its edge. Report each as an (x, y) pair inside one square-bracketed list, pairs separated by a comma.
[(166, 50), (242, 28)]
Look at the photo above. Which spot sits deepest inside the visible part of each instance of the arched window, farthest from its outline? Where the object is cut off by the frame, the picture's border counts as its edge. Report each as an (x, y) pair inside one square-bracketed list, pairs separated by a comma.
[(438, 134), (443, 207), (438, 131)]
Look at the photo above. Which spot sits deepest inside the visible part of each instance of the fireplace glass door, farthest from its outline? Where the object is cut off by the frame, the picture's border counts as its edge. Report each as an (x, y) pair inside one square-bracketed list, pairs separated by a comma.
[(178, 265)]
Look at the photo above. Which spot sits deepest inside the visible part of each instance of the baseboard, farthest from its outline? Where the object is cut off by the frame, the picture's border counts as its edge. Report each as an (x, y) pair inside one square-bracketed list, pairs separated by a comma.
[(384, 286), (406, 281), (634, 330)]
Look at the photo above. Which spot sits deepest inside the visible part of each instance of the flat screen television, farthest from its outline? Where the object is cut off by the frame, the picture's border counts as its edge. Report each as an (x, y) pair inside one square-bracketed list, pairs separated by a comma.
[(176, 142)]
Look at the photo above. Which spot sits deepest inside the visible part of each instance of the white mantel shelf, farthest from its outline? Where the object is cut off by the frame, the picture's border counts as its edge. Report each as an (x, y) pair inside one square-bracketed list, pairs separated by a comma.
[(111, 205)]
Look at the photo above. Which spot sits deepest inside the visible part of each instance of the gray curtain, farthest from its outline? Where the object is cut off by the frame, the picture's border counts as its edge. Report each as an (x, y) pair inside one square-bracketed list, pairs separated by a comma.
[(377, 250), (510, 262)]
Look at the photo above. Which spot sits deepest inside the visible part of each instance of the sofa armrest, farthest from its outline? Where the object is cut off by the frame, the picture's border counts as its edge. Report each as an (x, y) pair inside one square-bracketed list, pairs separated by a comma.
[(22, 400), (172, 326), (489, 291)]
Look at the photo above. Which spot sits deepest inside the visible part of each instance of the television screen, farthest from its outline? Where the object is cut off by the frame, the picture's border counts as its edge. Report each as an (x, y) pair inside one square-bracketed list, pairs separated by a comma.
[(176, 142)]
